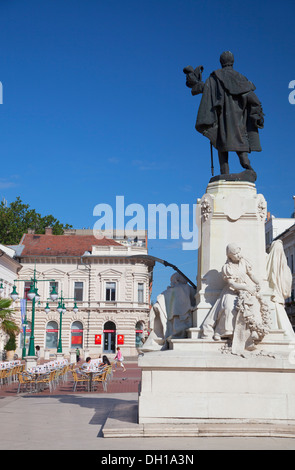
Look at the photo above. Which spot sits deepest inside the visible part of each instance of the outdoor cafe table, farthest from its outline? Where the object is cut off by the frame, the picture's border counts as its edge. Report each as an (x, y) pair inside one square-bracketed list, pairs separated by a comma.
[(90, 373), (44, 370)]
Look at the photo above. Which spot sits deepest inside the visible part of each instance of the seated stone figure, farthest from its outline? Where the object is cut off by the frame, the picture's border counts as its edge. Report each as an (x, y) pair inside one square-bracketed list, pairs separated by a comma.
[(171, 315), (239, 314), (279, 277)]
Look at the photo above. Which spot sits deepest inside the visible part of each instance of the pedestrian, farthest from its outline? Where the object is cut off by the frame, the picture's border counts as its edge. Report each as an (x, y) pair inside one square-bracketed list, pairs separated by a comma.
[(38, 352), (77, 355), (119, 358)]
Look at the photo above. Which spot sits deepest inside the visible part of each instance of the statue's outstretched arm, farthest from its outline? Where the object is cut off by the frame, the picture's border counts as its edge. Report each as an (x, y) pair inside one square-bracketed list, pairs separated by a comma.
[(194, 79)]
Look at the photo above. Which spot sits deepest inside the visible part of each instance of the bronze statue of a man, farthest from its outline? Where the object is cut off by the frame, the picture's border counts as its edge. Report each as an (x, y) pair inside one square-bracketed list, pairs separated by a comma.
[(229, 114)]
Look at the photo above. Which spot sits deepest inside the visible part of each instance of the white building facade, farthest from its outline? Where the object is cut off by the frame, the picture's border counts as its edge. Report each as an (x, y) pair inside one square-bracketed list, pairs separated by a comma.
[(9, 268), (110, 289)]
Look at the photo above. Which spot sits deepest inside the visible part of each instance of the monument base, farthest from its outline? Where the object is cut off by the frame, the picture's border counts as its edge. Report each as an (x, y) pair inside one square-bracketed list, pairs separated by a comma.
[(123, 422), (191, 387)]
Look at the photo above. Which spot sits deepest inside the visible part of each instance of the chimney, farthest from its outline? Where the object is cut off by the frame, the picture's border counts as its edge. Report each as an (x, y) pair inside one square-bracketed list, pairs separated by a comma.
[(48, 230)]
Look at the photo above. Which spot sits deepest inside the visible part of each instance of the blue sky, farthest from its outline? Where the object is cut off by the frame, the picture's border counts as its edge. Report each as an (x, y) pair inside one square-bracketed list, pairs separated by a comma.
[(95, 104)]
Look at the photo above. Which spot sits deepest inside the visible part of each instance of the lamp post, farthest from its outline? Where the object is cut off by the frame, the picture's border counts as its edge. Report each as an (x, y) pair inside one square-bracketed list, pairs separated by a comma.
[(1, 288), (61, 310), (33, 296), (23, 308)]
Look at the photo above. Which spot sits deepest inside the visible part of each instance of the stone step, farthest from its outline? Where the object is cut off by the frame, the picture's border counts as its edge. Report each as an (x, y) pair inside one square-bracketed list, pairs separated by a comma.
[(123, 422), (275, 341)]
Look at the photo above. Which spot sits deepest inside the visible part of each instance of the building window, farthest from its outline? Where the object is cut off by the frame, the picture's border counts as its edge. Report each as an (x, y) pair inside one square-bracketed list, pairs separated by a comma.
[(26, 289), (139, 334), (140, 292), (51, 335), (51, 285), (78, 291), (111, 291), (77, 335)]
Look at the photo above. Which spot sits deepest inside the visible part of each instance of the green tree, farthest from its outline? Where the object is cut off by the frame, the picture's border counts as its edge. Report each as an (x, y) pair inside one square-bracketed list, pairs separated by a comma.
[(17, 218), (7, 323)]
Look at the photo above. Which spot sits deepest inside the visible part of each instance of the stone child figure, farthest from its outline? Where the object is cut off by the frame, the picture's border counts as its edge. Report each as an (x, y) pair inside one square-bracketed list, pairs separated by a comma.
[(171, 315), (230, 113), (239, 314)]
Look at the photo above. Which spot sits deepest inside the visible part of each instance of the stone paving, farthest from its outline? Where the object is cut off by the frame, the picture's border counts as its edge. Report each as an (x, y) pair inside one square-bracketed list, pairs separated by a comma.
[(63, 420), (122, 382)]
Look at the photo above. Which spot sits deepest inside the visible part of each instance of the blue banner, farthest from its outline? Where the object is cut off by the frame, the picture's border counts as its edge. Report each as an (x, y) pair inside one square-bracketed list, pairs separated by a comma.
[(23, 303)]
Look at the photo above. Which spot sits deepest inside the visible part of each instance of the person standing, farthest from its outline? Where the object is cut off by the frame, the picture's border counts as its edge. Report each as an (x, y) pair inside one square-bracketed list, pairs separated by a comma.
[(119, 358), (77, 355), (38, 353)]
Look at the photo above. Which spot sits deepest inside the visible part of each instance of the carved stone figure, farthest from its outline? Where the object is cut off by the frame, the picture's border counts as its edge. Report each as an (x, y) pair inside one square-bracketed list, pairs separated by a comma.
[(171, 315), (229, 115), (280, 280), (239, 314)]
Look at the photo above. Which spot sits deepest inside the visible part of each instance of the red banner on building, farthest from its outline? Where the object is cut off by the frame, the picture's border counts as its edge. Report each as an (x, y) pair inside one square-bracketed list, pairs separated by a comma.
[(120, 339), (97, 339), (77, 340)]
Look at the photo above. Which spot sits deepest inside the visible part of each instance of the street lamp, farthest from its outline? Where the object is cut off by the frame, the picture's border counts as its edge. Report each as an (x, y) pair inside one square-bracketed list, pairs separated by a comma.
[(24, 324), (1, 288), (53, 294), (47, 308), (61, 310), (33, 296), (37, 296), (14, 294)]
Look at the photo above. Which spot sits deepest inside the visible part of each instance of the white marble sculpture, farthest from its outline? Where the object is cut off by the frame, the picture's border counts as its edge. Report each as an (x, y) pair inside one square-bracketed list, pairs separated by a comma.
[(240, 313), (279, 277), (171, 315)]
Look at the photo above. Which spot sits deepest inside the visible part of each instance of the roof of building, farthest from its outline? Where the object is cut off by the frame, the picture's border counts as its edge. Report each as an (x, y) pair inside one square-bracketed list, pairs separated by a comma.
[(61, 245)]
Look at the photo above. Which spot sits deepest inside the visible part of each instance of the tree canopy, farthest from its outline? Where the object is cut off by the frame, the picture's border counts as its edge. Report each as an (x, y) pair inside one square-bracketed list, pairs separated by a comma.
[(17, 218)]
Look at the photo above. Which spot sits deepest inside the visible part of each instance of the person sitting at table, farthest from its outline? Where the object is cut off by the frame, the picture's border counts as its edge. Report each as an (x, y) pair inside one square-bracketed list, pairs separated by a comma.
[(105, 360), (86, 364)]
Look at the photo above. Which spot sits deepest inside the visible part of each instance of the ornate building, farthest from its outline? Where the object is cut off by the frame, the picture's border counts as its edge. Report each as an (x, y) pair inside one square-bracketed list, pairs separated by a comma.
[(110, 289), (9, 268)]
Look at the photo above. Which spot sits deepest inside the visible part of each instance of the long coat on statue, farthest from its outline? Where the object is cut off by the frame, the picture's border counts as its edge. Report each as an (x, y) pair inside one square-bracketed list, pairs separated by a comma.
[(230, 113)]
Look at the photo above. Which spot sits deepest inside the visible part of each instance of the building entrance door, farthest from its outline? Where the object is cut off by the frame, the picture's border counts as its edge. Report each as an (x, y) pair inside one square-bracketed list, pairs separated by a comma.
[(109, 337)]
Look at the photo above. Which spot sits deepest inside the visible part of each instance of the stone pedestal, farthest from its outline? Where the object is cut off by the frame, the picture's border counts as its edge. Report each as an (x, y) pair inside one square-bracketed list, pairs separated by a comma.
[(214, 387), (60, 356), (200, 380), (73, 356), (229, 212), (30, 361), (47, 354)]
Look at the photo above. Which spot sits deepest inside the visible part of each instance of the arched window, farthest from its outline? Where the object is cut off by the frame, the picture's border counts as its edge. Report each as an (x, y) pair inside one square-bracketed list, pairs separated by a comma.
[(139, 334), (51, 335), (77, 335), (109, 337)]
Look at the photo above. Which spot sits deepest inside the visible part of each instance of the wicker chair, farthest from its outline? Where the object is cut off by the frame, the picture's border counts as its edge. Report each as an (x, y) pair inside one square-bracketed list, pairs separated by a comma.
[(25, 380), (7, 376), (44, 381), (80, 378), (101, 377)]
